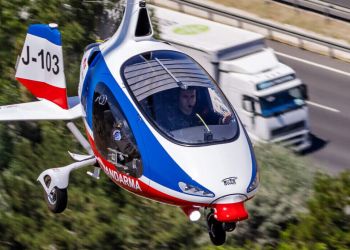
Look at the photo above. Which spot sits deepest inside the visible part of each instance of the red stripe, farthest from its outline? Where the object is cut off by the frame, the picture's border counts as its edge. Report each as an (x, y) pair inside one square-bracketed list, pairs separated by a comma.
[(147, 191), (44, 90)]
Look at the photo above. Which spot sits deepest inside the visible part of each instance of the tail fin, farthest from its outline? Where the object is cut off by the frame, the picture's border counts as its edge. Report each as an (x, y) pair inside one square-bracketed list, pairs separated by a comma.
[(40, 67)]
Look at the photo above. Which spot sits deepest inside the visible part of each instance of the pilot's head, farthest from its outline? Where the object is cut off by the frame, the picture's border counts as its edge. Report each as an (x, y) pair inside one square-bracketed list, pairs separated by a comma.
[(187, 100)]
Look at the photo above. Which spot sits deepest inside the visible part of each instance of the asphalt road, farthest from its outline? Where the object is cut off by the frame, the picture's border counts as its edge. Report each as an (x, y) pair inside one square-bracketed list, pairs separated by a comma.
[(329, 93)]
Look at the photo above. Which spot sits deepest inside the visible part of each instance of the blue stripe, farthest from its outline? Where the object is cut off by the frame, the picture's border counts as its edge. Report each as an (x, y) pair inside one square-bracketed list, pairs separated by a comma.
[(53, 35), (252, 155), (158, 164)]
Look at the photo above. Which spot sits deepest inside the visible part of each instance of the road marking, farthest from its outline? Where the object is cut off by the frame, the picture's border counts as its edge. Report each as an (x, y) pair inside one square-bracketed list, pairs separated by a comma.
[(320, 66), (323, 106), (313, 64)]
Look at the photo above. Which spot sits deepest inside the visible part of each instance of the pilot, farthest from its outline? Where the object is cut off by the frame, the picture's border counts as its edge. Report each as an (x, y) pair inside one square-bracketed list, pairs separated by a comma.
[(188, 114)]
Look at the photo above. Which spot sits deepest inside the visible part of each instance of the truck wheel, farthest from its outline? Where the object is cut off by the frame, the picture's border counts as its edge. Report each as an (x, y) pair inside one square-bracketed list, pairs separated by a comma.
[(216, 230), (57, 199)]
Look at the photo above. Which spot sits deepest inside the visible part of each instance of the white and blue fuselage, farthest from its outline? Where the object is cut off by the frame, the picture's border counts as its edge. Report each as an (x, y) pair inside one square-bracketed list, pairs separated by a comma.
[(211, 172)]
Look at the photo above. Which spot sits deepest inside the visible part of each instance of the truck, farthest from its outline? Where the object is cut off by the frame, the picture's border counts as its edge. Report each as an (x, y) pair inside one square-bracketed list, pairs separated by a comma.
[(269, 98)]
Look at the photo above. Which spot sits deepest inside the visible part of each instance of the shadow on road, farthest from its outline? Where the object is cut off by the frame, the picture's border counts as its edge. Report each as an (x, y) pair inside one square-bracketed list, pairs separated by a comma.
[(316, 144)]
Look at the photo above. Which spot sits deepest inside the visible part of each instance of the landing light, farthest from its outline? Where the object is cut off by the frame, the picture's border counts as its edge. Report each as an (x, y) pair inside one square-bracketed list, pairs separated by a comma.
[(195, 215), (53, 25), (193, 190)]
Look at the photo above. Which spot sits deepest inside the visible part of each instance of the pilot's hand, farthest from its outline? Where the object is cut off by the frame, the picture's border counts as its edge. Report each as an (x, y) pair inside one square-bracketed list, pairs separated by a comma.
[(227, 118)]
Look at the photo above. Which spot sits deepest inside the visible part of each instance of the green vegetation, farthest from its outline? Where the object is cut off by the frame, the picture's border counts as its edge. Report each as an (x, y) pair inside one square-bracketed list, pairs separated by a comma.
[(327, 224), (285, 214)]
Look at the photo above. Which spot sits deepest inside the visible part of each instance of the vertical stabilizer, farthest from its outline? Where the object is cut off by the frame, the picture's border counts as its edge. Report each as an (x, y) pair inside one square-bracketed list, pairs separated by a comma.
[(40, 67)]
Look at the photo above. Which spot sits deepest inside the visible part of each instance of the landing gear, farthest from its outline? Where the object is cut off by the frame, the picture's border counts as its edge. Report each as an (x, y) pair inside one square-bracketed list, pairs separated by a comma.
[(55, 183), (55, 180), (229, 226), (57, 199), (216, 230)]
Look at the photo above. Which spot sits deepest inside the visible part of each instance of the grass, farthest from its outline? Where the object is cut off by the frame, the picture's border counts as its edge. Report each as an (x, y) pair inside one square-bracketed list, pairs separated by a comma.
[(292, 16)]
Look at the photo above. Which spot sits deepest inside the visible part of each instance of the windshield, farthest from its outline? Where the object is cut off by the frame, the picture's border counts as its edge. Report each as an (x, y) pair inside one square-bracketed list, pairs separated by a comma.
[(281, 102), (179, 98)]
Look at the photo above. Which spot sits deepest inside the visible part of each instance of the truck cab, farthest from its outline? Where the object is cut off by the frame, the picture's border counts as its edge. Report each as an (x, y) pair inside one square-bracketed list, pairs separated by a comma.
[(268, 97)]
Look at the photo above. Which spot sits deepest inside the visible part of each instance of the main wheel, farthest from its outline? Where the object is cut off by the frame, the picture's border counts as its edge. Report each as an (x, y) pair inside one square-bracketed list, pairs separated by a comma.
[(57, 199), (216, 230)]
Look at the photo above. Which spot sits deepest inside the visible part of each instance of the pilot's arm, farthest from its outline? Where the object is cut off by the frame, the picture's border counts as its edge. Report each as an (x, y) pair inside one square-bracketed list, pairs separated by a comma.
[(227, 117)]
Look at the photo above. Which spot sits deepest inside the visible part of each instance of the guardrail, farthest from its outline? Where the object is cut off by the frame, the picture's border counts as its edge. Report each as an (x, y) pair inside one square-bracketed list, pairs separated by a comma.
[(271, 30), (324, 8), (339, 3)]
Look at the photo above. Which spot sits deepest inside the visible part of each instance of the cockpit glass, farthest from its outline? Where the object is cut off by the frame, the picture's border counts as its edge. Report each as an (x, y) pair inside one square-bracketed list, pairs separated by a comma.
[(179, 98)]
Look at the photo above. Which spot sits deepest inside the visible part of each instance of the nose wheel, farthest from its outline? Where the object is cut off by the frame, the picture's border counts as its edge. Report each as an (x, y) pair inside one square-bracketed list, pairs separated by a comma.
[(216, 230), (229, 226)]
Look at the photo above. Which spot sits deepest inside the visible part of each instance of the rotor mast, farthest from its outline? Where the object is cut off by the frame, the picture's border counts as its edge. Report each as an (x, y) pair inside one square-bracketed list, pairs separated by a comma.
[(135, 26)]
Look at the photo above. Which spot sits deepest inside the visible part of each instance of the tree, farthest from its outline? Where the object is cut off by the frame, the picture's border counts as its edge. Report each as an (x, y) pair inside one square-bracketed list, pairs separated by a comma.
[(327, 224)]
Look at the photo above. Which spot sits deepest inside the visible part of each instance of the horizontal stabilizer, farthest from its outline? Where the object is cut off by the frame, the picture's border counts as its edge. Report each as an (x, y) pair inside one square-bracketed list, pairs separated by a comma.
[(40, 110)]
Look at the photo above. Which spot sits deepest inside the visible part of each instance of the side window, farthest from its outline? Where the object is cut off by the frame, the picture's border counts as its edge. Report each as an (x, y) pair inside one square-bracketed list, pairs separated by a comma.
[(248, 104), (112, 134)]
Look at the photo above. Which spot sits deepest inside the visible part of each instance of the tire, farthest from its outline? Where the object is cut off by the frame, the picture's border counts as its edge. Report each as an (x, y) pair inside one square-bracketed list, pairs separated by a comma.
[(57, 200), (230, 226), (216, 230)]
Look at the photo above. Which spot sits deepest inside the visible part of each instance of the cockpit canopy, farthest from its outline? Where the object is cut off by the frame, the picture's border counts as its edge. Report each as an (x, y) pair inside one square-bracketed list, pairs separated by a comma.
[(179, 98)]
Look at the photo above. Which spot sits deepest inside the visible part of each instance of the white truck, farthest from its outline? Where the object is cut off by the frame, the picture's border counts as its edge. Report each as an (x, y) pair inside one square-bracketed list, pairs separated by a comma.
[(266, 94)]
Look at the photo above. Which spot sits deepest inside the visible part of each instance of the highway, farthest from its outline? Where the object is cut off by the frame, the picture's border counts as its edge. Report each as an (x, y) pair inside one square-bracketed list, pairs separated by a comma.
[(328, 81)]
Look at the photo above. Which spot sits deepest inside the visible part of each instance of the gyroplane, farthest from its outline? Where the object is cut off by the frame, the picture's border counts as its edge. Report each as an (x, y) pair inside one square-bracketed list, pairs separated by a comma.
[(156, 123)]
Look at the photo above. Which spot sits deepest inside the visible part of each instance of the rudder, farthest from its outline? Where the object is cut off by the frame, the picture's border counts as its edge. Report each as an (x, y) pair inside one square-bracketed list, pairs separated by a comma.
[(40, 67)]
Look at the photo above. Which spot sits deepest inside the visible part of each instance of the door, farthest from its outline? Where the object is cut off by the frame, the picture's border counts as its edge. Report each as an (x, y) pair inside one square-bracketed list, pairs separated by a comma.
[(113, 136)]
